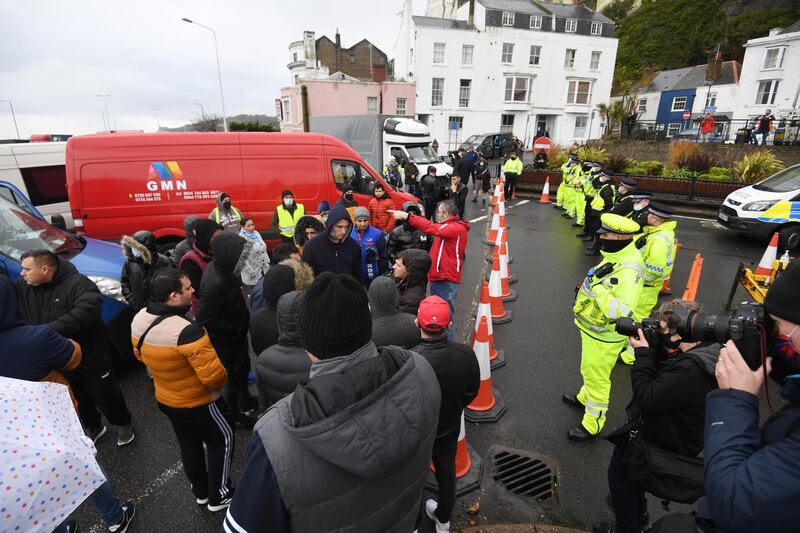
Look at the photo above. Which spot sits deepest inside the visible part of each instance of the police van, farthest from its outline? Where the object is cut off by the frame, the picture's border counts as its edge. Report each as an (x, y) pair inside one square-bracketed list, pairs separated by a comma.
[(765, 207)]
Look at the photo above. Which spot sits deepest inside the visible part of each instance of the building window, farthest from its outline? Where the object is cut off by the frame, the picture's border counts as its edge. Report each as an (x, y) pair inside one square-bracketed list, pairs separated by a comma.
[(597, 28), (437, 91), (773, 57), (673, 129), (580, 126), (401, 106), (679, 103), (508, 18), (296, 78), (286, 109), (438, 53), (506, 123), (579, 92), (766, 92), (508, 53), (594, 64), (455, 123), (711, 100), (571, 25), (569, 58), (536, 22), (641, 105), (372, 105), (517, 89), (463, 93), (294, 57), (467, 51), (352, 57), (536, 54)]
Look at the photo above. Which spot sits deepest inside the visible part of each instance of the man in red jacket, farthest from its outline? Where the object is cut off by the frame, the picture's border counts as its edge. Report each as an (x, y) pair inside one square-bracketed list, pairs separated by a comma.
[(447, 252)]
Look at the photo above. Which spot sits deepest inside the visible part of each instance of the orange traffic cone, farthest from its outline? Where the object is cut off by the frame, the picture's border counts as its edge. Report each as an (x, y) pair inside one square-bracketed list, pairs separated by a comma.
[(545, 197), (770, 255), (508, 294), (497, 358), (487, 406), (469, 466), (491, 235), (498, 241), (499, 313)]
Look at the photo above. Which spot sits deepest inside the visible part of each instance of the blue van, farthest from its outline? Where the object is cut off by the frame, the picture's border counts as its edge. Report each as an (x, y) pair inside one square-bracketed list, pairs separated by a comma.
[(23, 228)]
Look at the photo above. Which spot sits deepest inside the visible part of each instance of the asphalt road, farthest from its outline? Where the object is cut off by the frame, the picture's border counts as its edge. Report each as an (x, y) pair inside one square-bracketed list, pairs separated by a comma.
[(543, 352)]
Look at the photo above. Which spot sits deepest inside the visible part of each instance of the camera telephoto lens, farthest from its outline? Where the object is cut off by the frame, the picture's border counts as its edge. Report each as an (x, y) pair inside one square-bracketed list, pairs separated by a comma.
[(626, 326), (694, 326)]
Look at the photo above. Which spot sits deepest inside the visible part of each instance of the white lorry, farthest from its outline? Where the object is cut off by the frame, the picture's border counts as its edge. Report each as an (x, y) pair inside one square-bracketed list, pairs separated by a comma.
[(378, 137)]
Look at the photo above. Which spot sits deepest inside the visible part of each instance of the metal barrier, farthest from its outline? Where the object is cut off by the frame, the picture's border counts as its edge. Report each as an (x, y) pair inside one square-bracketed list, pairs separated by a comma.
[(785, 131)]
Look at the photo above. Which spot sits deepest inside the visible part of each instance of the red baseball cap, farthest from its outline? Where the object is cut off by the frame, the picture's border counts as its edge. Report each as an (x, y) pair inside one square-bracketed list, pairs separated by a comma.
[(433, 314)]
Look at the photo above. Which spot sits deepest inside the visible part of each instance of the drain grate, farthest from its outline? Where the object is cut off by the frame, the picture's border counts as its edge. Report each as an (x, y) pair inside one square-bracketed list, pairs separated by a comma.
[(524, 474)]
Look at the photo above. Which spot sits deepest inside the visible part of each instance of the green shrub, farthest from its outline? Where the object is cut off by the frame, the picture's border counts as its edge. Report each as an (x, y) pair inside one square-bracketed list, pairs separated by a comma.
[(591, 153), (713, 177), (554, 163), (617, 163), (683, 173), (757, 166), (653, 168)]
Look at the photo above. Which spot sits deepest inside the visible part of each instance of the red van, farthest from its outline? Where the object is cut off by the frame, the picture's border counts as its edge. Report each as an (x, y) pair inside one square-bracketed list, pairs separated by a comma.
[(122, 183)]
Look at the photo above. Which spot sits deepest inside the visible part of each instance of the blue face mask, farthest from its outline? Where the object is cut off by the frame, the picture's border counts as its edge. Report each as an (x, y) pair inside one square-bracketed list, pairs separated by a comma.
[(136, 252)]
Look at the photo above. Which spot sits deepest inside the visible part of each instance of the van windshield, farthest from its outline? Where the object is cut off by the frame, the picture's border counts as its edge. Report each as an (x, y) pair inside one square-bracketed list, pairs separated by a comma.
[(423, 155), (20, 232), (786, 180), (473, 140)]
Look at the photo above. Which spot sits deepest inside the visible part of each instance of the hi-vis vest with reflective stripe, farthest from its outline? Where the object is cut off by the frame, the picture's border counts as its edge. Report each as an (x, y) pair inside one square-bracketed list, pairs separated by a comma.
[(599, 203), (287, 220), (658, 259), (233, 210), (595, 316)]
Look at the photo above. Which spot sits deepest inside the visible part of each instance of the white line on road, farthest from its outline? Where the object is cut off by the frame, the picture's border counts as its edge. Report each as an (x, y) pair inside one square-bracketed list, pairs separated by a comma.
[(692, 218), (477, 219), (523, 202)]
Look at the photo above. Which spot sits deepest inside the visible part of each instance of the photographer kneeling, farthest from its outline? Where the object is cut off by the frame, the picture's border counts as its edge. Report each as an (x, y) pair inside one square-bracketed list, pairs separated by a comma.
[(752, 477), (670, 382)]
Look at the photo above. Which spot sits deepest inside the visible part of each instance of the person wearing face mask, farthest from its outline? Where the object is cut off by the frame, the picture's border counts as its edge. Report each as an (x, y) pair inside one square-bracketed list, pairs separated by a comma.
[(624, 204), (657, 246), (752, 476), (334, 250), (141, 261), (564, 191), (610, 290), (669, 383), (583, 186), (640, 199), (286, 216), (601, 203), (511, 170), (225, 214), (348, 201)]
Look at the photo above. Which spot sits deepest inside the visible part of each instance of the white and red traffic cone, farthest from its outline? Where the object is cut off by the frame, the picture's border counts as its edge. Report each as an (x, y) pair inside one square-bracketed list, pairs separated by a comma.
[(488, 405), (497, 358), (505, 275), (545, 197), (500, 315), (770, 255)]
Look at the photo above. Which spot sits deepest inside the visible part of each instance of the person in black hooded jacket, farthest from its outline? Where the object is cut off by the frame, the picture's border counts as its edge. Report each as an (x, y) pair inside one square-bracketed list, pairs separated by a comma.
[(223, 312), (404, 237), (390, 326), (264, 322), (283, 365), (195, 261), (186, 244), (334, 250), (141, 261), (411, 275)]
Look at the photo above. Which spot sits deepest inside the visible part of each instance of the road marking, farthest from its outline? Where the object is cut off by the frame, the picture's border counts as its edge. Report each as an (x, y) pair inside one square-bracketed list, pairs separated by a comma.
[(477, 219), (149, 489), (692, 218), (522, 202), (711, 224)]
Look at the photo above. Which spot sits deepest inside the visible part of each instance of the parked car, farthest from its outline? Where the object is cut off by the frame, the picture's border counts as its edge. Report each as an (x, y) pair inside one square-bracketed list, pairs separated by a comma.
[(768, 206), (23, 228), (122, 183), (492, 145)]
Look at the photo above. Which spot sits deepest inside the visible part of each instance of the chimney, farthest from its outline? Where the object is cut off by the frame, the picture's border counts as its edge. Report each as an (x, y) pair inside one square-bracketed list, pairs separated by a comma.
[(471, 18), (310, 49), (379, 73), (338, 51), (775, 31)]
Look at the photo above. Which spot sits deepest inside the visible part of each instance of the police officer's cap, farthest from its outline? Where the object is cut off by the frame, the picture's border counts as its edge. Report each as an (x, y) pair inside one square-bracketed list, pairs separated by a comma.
[(573, 155), (660, 210), (606, 172), (629, 182), (596, 164), (612, 223), (640, 195)]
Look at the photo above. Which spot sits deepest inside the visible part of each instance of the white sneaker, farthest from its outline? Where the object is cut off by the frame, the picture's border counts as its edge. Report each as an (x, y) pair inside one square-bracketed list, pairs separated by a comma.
[(430, 507), (224, 504)]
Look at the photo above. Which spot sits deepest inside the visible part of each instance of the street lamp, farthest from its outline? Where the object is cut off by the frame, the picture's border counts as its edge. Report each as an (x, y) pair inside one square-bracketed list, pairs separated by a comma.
[(107, 117), (13, 116), (219, 71), (202, 110)]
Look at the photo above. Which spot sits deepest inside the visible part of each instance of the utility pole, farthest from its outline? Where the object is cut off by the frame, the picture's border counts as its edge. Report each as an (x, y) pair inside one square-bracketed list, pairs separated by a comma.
[(13, 116)]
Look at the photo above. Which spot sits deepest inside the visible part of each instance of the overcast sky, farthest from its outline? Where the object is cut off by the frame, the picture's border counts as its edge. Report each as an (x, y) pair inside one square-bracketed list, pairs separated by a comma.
[(56, 56)]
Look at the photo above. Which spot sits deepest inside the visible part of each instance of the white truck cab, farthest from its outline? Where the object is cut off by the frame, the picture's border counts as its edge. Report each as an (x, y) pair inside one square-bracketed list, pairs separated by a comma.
[(765, 207), (404, 137)]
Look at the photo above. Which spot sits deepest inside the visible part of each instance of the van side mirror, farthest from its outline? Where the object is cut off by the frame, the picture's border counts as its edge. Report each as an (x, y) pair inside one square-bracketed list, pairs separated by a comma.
[(59, 222)]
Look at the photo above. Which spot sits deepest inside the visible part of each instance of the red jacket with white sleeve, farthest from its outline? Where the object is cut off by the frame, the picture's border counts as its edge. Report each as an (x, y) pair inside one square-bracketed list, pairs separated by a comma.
[(449, 246)]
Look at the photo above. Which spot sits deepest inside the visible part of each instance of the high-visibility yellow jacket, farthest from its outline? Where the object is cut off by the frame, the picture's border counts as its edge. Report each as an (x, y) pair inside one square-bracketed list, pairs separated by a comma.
[(287, 220), (658, 252), (513, 165)]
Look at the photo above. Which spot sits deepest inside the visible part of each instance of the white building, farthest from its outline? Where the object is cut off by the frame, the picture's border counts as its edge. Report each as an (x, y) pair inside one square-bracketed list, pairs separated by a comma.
[(304, 64), (771, 74), (509, 65)]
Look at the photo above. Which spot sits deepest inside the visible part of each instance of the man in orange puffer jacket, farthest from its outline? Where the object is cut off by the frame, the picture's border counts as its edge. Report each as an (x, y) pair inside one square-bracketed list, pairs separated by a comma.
[(379, 206), (188, 378)]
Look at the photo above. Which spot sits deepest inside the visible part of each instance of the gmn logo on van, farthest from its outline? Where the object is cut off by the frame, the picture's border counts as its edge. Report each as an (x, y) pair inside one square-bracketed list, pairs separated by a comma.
[(165, 176)]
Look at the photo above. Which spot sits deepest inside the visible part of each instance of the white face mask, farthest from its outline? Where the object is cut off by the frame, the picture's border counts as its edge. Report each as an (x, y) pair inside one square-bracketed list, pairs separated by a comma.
[(638, 207), (136, 252), (288, 201)]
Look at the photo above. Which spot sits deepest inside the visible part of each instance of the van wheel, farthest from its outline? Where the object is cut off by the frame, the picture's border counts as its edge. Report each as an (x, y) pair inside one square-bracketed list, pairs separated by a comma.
[(789, 237), (166, 245)]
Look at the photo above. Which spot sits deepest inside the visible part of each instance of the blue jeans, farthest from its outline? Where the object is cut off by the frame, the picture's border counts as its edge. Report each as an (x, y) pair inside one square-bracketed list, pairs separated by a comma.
[(447, 291), (107, 504)]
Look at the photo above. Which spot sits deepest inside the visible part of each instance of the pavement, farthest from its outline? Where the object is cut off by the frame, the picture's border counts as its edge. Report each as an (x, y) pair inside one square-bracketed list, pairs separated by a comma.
[(542, 349)]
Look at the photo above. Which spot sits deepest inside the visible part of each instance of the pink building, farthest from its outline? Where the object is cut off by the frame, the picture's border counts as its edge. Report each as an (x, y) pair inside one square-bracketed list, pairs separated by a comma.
[(343, 95)]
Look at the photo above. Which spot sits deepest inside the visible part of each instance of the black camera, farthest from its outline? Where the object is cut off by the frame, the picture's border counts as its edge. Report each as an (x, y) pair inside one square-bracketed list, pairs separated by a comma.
[(746, 327), (649, 326)]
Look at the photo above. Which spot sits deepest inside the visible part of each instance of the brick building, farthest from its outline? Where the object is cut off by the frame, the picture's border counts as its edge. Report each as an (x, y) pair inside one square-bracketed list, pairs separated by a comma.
[(319, 58)]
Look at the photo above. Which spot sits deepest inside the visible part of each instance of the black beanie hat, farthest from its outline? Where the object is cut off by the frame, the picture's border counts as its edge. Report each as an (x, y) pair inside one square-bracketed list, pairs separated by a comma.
[(782, 298), (285, 193), (335, 318)]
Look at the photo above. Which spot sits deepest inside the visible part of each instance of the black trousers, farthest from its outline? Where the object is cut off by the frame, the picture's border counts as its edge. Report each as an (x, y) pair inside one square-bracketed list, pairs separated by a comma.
[(204, 424), (98, 392), (627, 499), (592, 225), (510, 185), (236, 360), (444, 461), (430, 207)]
